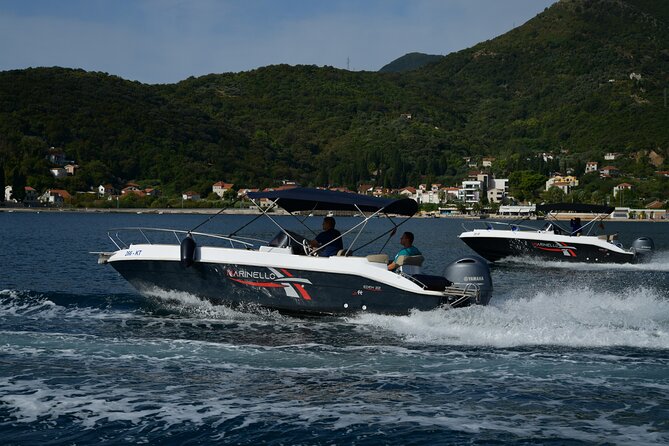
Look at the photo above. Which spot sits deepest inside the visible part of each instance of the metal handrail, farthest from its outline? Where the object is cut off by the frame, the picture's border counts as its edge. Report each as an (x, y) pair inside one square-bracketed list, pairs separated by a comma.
[(114, 236), (464, 289), (513, 226)]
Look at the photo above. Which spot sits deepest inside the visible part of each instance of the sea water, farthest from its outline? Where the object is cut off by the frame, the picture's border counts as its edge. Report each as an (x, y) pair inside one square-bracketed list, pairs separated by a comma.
[(564, 354)]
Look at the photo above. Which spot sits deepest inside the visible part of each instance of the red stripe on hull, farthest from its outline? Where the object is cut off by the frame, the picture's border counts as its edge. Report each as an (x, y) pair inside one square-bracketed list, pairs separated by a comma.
[(260, 284)]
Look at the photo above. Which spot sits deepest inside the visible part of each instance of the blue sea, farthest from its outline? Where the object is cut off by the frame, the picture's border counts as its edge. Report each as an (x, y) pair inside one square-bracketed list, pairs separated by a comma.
[(565, 354)]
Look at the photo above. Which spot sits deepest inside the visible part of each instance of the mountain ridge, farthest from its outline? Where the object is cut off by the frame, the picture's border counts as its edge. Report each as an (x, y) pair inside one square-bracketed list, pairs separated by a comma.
[(409, 62)]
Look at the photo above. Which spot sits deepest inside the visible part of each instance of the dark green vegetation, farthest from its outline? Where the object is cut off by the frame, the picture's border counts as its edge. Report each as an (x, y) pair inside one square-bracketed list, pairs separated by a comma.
[(560, 83), (409, 62)]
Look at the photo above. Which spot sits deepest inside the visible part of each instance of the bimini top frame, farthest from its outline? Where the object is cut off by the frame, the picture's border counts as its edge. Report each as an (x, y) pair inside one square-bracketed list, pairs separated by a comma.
[(307, 199), (598, 213)]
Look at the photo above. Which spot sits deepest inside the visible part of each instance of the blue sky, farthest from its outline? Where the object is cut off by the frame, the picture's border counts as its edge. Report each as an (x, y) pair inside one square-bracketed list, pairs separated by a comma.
[(165, 41)]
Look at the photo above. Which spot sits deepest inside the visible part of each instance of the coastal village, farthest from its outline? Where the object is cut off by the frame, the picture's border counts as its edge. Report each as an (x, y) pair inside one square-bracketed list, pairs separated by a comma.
[(481, 193)]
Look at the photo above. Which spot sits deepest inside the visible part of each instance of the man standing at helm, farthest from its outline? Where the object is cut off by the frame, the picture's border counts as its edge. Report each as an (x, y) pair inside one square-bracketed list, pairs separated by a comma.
[(329, 234)]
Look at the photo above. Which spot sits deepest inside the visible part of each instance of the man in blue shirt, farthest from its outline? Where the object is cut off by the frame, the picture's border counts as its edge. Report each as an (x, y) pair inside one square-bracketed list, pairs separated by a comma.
[(328, 235), (408, 249)]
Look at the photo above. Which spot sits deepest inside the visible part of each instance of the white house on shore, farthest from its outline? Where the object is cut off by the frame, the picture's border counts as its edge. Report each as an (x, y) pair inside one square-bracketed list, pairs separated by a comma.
[(190, 195), (221, 188), (470, 192), (517, 210), (473, 190), (58, 172), (498, 189), (591, 166), (565, 183), (55, 197), (105, 190), (621, 188)]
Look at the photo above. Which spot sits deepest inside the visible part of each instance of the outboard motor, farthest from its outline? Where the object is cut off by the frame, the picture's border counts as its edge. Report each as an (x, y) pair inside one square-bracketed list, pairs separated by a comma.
[(643, 247), (187, 251), (471, 270)]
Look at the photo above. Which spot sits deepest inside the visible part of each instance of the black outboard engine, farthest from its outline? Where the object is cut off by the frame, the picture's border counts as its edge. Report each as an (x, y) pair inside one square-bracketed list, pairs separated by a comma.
[(643, 247), (187, 251), (471, 270)]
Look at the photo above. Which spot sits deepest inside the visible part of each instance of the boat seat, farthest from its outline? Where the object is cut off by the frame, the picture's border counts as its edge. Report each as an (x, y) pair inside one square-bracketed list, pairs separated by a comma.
[(378, 258), (608, 237), (410, 264)]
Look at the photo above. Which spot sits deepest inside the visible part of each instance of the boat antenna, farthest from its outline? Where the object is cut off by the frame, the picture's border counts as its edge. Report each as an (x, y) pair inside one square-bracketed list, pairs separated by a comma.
[(390, 235), (245, 225), (390, 231), (213, 216)]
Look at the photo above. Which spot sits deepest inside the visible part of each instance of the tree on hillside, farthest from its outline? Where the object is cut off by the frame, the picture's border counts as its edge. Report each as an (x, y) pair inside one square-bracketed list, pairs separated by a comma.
[(554, 195), (18, 185), (526, 185)]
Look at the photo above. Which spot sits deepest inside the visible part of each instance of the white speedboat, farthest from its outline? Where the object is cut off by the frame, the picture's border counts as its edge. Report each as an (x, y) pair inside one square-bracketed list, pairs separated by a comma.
[(287, 275), (554, 242)]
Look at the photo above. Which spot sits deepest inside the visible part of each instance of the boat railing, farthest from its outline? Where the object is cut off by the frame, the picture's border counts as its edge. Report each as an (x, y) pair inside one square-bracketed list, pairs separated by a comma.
[(552, 225), (465, 290), (490, 225), (118, 237)]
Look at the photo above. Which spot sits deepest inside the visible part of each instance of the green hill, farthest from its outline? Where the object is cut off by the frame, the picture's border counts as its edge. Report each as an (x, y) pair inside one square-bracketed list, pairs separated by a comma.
[(409, 62), (584, 75), (583, 78)]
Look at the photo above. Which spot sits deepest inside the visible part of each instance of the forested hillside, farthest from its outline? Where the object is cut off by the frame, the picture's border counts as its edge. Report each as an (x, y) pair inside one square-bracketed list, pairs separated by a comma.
[(409, 62), (583, 78)]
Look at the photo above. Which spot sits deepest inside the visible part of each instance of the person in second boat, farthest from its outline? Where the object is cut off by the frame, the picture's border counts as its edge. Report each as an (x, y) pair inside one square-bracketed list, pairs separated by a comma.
[(408, 249), (328, 235)]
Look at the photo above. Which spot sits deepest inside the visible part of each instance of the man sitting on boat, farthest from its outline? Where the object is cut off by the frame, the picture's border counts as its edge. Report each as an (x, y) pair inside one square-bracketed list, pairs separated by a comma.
[(408, 249), (575, 226), (329, 234)]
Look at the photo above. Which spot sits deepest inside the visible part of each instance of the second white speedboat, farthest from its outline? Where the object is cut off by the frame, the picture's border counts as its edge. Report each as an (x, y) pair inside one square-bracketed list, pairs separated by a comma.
[(553, 242)]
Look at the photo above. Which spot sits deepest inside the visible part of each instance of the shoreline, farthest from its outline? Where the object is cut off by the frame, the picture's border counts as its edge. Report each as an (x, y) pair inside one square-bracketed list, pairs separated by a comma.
[(212, 211), (158, 211)]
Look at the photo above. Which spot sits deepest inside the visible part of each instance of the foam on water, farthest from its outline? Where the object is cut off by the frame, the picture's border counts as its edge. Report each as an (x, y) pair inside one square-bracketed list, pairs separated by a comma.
[(32, 306), (187, 304), (659, 262), (146, 385), (576, 315), (571, 316), (334, 407)]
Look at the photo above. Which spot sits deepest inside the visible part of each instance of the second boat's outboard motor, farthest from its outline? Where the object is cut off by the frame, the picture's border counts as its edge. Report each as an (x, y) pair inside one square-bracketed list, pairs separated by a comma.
[(471, 270), (187, 251), (643, 247)]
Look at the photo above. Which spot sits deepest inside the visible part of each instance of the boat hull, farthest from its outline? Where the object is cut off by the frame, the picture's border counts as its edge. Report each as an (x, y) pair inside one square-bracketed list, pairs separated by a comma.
[(286, 290), (567, 249)]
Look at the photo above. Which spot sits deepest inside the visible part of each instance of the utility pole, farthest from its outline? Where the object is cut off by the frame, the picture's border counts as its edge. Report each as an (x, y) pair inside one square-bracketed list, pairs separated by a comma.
[(348, 65)]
